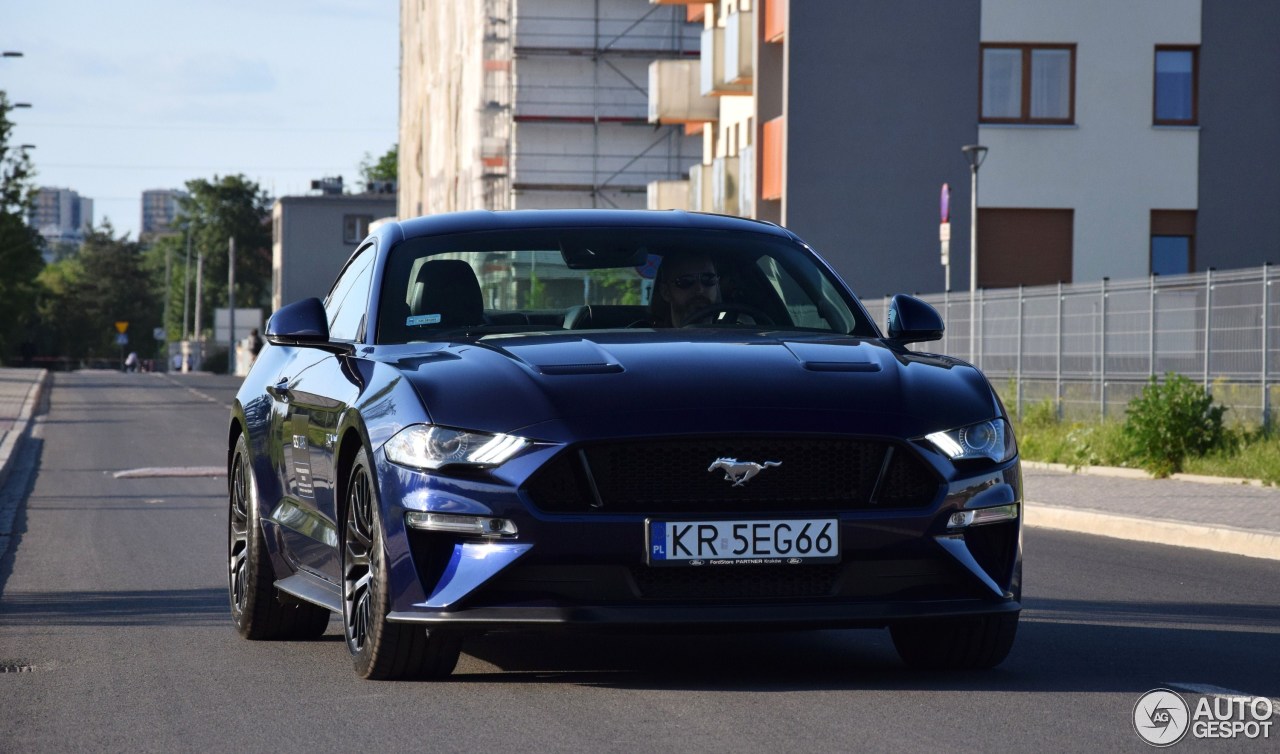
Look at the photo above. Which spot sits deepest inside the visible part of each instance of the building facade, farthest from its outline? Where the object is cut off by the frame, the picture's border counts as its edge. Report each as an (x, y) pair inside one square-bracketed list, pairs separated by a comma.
[(312, 237), (1125, 138), (160, 207), (535, 104), (62, 217)]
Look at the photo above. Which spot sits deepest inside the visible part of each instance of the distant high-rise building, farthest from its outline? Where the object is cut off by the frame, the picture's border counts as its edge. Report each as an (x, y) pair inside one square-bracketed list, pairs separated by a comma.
[(159, 209), (62, 217)]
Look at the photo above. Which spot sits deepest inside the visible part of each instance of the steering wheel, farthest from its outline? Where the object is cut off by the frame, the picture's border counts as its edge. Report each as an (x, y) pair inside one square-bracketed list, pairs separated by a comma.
[(708, 313)]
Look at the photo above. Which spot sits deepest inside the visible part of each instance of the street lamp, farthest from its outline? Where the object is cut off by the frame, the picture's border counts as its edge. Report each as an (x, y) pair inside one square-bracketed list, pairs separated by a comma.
[(12, 54), (975, 154), (17, 105)]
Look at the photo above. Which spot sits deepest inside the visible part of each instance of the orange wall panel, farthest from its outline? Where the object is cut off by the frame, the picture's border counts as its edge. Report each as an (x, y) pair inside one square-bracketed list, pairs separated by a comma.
[(775, 20), (772, 139)]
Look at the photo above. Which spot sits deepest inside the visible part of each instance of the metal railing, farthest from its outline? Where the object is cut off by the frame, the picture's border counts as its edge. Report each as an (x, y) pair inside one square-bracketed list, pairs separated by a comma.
[(1089, 348)]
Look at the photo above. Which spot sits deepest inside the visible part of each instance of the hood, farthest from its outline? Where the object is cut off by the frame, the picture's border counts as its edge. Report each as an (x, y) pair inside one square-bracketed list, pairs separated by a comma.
[(561, 387)]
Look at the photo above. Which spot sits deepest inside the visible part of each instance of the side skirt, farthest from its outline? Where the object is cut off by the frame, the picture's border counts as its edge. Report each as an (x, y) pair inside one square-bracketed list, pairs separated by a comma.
[(312, 589)]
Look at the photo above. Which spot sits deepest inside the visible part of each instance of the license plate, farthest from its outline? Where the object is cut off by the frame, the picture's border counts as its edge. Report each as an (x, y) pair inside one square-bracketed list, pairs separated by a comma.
[(769, 542)]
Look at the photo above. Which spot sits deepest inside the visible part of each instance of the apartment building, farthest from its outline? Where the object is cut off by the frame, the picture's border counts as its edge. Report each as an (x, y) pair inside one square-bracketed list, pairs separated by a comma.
[(535, 104), (1124, 137), (62, 217), (160, 207)]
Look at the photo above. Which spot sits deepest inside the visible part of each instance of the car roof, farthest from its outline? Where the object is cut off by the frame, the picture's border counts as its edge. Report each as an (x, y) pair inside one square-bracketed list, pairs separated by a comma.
[(481, 220)]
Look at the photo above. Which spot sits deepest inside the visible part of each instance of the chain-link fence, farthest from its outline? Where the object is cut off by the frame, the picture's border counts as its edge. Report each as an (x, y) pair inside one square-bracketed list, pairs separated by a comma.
[(1089, 348)]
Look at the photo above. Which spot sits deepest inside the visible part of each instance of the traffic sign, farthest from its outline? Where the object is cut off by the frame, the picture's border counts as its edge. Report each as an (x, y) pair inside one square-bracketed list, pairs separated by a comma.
[(158, 333), (122, 339), (121, 326)]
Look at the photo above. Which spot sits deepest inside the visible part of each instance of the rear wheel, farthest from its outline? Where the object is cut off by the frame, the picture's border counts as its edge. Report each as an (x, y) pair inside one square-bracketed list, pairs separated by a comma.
[(380, 649), (258, 609), (956, 643)]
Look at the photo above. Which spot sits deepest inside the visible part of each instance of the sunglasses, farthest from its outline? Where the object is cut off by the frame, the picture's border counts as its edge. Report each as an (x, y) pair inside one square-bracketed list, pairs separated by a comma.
[(707, 279)]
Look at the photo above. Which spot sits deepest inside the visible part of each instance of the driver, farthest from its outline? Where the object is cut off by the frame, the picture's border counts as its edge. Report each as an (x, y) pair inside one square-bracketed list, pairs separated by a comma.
[(685, 285)]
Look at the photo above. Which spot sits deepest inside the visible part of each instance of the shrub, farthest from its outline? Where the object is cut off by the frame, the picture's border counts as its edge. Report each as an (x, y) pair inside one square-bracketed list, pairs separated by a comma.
[(1171, 422)]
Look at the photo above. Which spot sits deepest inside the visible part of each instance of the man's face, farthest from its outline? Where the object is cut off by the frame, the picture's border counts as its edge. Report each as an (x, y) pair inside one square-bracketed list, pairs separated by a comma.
[(687, 289)]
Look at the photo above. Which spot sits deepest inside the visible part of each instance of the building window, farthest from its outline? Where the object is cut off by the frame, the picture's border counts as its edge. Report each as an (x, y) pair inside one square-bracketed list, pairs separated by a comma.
[(1176, 89), (1028, 83), (355, 227), (1173, 241)]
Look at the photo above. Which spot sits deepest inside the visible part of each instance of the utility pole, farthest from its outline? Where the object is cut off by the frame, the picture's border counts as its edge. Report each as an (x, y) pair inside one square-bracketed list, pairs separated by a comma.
[(195, 326), (231, 304), (186, 288)]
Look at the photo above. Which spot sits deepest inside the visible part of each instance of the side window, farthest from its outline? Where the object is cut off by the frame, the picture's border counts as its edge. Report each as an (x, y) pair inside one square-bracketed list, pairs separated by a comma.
[(349, 299), (809, 305)]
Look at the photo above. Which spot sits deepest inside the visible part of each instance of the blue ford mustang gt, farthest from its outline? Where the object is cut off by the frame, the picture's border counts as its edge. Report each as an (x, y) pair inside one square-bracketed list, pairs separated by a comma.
[(599, 419)]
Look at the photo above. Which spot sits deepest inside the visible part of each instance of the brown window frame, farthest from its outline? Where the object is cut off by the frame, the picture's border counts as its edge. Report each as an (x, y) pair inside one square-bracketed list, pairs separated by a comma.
[(1026, 48), (1194, 120)]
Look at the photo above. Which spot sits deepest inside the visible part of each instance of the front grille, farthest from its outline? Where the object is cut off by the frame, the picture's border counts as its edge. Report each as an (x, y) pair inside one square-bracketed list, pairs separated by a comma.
[(736, 582), (673, 476)]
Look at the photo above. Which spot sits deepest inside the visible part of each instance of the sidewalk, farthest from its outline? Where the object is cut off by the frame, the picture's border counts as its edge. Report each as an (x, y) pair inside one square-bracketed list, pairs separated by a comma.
[(1205, 513)]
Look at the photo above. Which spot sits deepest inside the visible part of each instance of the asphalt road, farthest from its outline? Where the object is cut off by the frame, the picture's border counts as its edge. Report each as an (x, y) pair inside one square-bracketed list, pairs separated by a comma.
[(114, 608)]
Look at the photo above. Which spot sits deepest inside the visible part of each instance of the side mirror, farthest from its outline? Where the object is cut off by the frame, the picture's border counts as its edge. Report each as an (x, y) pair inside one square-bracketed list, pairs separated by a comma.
[(913, 321), (302, 323)]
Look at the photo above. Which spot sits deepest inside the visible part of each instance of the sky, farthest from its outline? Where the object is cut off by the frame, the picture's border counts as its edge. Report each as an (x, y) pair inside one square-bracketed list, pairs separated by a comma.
[(129, 95)]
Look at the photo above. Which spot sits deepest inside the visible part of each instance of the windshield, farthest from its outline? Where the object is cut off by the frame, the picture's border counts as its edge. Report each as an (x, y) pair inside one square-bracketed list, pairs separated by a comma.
[(592, 279)]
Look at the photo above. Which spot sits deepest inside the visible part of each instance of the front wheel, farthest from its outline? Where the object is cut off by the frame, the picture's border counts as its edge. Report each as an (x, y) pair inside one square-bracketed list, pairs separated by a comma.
[(956, 643), (257, 607), (380, 649)]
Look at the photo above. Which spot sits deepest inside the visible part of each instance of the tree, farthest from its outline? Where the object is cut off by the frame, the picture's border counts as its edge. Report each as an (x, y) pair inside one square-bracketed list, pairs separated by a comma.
[(387, 168), (214, 212), (20, 258)]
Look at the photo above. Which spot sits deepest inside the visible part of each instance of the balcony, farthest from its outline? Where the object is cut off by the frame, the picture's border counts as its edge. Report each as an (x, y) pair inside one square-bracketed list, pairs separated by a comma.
[(675, 96), (739, 47), (724, 185), (668, 195), (713, 80), (700, 188)]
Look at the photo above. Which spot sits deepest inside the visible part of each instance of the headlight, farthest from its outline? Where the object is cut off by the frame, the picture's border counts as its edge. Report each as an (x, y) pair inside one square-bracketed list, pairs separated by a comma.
[(426, 446), (990, 439)]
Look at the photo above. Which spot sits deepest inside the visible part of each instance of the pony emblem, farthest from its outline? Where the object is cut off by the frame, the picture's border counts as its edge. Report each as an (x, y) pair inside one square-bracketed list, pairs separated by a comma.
[(740, 472)]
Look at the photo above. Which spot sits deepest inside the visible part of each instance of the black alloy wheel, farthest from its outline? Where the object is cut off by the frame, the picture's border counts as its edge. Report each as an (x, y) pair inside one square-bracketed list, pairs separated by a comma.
[(258, 609), (380, 649)]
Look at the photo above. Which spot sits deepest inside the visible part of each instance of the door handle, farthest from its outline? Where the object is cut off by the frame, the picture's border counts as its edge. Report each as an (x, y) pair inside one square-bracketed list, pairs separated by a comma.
[(280, 390)]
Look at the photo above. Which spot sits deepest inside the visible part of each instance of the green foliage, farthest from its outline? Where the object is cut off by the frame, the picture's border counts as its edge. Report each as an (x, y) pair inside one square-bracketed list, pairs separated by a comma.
[(615, 286), (1171, 422), (214, 212), (386, 168), (20, 258), (1041, 437), (84, 296)]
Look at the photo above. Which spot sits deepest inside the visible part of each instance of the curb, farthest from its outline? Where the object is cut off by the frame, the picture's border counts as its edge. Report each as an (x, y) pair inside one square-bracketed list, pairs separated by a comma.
[(13, 439), (1223, 539), (1117, 471)]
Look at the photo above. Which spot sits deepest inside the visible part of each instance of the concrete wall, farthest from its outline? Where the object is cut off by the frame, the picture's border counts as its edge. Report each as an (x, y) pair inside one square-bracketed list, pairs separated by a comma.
[(307, 244), (1238, 224), (1112, 167), (881, 97)]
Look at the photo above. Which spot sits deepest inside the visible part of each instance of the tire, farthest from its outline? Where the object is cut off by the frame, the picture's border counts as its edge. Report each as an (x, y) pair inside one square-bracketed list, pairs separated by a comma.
[(258, 609), (381, 650), (956, 643)]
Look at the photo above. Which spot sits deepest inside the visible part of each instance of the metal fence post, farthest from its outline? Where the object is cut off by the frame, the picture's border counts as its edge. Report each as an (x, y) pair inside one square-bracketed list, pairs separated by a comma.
[(982, 319), (1266, 344), (1208, 319), (946, 317), (1102, 363), (1018, 368), (1151, 322), (1057, 382)]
